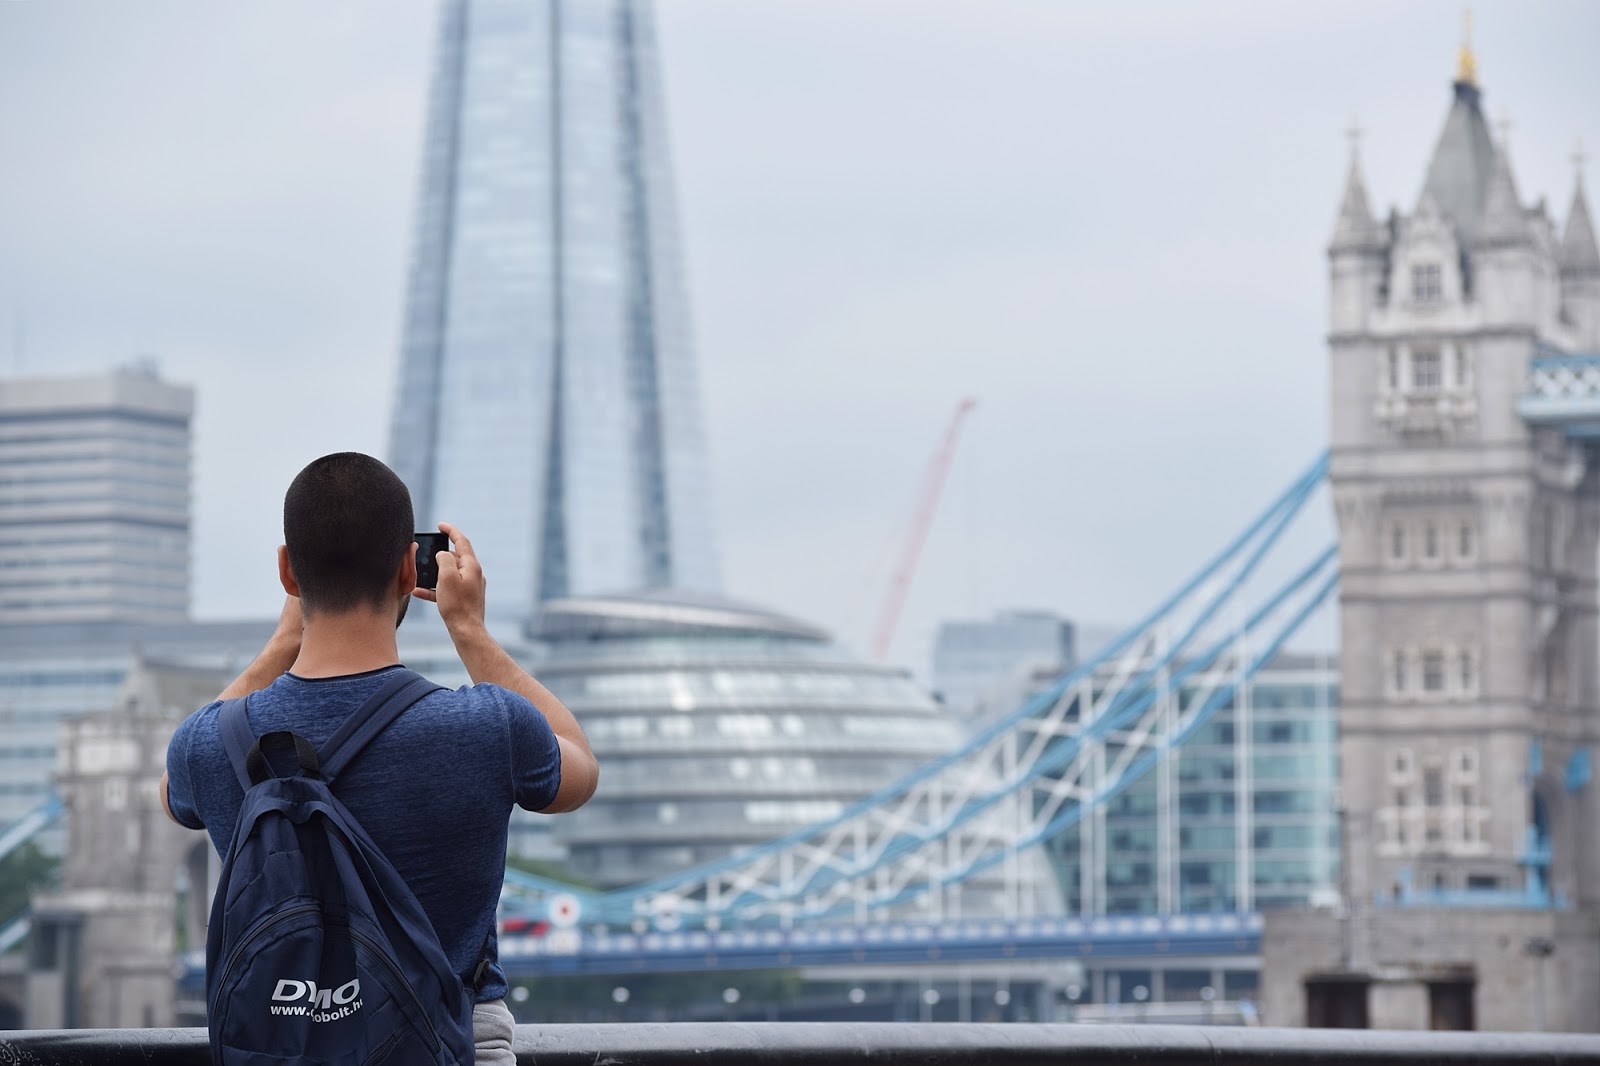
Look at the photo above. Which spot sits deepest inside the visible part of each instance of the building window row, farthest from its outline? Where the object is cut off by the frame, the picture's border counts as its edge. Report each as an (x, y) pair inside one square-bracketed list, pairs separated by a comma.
[(1435, 804), (1450, 541), (1437, 671), (1426, 369), (1461, 768)]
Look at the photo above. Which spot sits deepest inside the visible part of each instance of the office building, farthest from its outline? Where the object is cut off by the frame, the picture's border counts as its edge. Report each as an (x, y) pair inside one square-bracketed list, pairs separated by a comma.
[(94, 498), (547, 398), (50, 673), (1249, 819), (981, 668)]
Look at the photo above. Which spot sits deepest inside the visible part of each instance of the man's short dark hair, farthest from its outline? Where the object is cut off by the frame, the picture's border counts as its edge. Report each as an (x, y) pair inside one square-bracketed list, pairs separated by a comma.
[(347, 523)]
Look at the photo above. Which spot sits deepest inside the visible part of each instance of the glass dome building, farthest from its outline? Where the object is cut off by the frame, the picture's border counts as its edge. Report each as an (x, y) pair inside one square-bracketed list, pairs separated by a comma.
[(719, 725)]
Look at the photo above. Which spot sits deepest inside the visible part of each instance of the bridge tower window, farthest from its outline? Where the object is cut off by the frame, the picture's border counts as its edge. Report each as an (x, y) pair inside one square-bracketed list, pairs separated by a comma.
[(1427, 285), (1433, 671), (1468, 674), (1433, 786), (1425, 370), (1401, 767)]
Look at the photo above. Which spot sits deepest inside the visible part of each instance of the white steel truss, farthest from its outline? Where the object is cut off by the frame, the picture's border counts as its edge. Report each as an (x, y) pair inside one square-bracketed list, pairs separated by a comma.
[(952, 836)]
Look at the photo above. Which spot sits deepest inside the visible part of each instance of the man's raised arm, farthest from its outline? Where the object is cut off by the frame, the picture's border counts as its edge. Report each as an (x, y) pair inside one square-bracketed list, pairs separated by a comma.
[(460, 597), (275, 658)]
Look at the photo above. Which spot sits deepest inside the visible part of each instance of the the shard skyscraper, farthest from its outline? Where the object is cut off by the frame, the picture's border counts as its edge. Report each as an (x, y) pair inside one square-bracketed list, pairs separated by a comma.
[(547, 400)]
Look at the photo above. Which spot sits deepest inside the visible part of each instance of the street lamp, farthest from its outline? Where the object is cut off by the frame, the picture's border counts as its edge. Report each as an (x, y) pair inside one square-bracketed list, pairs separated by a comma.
[(1074, 993)]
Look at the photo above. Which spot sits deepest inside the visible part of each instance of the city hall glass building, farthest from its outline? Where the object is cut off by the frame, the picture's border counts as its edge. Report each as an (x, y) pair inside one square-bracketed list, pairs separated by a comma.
[(719, 726), (547, 399)]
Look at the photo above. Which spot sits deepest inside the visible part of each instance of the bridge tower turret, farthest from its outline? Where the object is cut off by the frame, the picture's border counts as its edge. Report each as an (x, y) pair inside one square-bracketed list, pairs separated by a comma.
[(1579, 257), (1356, 255)]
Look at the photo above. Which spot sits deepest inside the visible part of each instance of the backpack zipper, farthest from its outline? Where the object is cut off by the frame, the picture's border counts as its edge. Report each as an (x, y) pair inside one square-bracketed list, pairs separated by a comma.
[(256, 934), (400, 979)]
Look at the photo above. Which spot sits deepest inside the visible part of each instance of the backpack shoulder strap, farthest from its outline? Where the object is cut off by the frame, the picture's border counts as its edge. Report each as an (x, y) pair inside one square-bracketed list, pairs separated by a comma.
[(237, 737), (371, 718), (243, 747)]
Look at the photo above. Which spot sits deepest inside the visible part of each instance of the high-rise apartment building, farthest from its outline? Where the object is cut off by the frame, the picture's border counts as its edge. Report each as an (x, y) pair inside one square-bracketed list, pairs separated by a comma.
[(94, 498), (547, 399)]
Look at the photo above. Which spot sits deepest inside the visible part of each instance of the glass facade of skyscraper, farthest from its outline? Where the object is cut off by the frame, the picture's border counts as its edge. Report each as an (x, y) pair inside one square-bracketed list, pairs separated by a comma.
[(547, 400), (1252, 821)]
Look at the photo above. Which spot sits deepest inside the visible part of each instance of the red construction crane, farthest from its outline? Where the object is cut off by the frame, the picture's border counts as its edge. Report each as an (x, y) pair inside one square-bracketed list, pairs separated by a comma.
[(927, 503)]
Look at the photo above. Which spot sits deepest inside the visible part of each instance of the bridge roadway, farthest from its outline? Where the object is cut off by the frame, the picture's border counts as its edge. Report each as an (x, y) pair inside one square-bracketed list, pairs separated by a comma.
[(580, 951)]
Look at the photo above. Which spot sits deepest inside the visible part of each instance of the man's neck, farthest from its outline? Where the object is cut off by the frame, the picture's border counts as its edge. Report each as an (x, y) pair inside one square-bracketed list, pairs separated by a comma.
[(350, 642)]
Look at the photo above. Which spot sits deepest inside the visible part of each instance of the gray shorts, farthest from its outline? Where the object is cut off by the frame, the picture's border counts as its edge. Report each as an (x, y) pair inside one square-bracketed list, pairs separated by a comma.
[(492, 1027)]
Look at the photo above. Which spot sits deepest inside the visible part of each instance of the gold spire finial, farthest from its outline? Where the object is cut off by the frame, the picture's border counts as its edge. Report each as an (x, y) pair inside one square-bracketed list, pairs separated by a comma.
[(1466, 63)]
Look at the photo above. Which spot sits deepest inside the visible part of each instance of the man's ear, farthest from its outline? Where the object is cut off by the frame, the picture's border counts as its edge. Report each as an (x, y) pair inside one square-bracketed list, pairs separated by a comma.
[(406, 579), (285, 574)]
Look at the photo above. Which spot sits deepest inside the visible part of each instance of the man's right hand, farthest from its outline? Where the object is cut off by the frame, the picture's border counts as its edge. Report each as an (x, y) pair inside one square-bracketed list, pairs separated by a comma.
[(462, 586), (460, 597)]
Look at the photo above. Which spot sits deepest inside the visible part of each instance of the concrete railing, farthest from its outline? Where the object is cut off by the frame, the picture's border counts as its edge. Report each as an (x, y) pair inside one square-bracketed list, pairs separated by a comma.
[(892, 1043)]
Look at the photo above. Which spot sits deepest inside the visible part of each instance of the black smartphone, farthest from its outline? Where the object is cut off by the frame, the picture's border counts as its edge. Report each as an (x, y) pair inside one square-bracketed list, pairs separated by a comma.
[(429, 545)]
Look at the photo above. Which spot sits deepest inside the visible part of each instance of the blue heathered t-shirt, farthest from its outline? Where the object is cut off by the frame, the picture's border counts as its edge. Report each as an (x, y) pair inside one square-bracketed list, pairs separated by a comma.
[(434, 790)]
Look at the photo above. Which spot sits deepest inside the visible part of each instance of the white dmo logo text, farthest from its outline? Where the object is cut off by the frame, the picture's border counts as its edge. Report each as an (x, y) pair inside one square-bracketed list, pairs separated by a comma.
[(288, 991)]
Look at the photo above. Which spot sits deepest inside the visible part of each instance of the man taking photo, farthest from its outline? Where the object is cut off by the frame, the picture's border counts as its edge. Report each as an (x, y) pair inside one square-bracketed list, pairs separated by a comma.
[(434, 790)]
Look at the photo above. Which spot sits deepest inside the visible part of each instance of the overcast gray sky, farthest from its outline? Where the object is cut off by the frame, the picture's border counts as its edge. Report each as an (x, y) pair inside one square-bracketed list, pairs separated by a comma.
[(1105, 221)]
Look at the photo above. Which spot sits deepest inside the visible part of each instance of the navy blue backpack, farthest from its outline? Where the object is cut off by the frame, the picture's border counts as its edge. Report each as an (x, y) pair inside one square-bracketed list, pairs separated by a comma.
[(317, 950)]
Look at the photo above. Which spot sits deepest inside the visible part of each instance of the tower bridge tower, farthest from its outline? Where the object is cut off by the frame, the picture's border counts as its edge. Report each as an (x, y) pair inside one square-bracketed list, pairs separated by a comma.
[(1467, 539)]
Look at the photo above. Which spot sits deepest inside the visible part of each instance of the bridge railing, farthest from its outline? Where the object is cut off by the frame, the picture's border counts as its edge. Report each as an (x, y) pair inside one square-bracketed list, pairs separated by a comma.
[(890, 1043)]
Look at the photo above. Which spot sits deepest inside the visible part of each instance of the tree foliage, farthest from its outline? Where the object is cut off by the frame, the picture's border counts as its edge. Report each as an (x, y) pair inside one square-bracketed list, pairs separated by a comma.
[(22, 873), (554, 871)]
